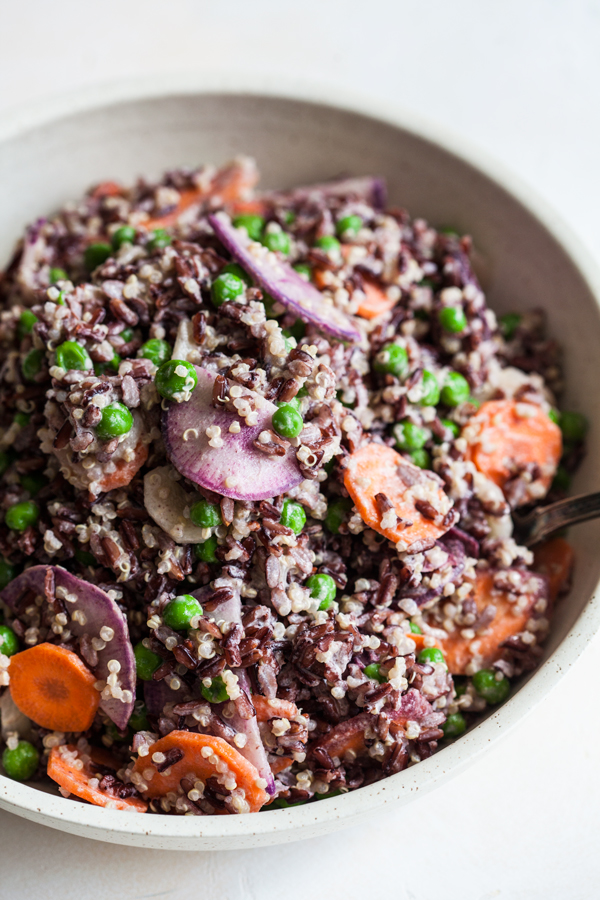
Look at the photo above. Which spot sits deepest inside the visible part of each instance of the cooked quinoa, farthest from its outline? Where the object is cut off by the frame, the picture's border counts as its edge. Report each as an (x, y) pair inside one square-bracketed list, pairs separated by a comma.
[(259, 455)]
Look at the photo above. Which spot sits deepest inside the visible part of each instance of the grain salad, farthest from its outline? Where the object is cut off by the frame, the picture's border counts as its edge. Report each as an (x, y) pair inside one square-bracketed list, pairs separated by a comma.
[(259, 455)]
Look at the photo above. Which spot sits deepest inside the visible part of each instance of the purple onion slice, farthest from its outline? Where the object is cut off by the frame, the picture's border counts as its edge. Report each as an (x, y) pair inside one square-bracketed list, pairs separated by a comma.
[(99, 612), (237, 469), (369, 189), (253, 750), (277, 277)]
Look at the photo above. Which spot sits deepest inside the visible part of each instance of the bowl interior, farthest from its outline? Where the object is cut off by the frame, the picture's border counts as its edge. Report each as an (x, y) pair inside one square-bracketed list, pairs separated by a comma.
[(522, 266)]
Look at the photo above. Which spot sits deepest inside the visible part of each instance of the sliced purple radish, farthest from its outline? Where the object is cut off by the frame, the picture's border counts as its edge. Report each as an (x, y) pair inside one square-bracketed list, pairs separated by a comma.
[(166, 501), (100, 615), (369, 189), (157, 694), (254, 749), (277, 278), (237, 469)]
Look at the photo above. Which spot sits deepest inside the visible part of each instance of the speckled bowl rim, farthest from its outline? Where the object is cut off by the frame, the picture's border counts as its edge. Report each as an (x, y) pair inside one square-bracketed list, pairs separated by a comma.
[(312, 819)]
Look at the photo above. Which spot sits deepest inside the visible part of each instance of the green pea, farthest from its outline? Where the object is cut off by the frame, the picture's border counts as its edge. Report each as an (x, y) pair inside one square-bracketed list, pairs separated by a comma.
[(323, 588), (115, 734), (146, 662), (205, 514), (295, 402), (235, 269), (460, 685), (252, 223), (5, 461), (410, 436), (492, 689), (454, 725), (9, 642), (456, 389), (421, 458), (289, 217), (554, 416), (27, 320), (116, 420), (431, 655), (277, 241), (392, 360), (453, 319), (414, 628), (287, 421), (304, 270), (451, 426), (33, 482), (206, 552), (123, 235), (58, 275), (509, 324), (337, 512), (22, 419), (226, 287), (95, 255), (85, 558), (21, 515), (175, 377), (159, 239), (293, 516), (7, 572), (349, 226), (156, 350), (573, 426), (562, 479), (329, 244), (373, 670), (217, 692), (138, 720), (72, 355), (32, 364), (21, 762), (430, 395), (178, 613), (126, 335)]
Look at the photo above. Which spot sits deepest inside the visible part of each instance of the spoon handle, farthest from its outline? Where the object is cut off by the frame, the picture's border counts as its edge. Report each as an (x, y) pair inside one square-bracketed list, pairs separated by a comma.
[(543, 522)]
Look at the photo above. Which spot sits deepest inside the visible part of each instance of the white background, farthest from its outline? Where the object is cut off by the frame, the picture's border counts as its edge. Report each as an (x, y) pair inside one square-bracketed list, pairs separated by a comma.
[(521, 79)]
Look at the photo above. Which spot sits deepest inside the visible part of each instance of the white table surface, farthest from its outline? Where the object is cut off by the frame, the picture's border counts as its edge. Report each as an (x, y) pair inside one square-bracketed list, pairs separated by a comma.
[(520, 78)]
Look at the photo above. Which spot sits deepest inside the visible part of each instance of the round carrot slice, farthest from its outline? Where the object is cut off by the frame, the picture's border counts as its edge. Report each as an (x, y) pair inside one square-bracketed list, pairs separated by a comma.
[(199, 757), (508, 621), (74, 774), (402, 502), (53, 688), (506, 435), (554, 559), (376, 301)]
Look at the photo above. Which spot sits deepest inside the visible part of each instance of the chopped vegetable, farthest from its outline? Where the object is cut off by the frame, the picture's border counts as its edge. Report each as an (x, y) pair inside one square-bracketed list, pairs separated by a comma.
[(202, 757), (236, 469), (253, 224), (205, 514), (492, 685), (32, 364), (506, 435), (287, 421), (323, 588), (454, 725), (27, 320), (226, 288), (176, 379), (156, 350), (95, 255), (274, 707), (71, 355), (146, 661), (123, 235), (455, 390), (453, 319), (83, 782), (115, 421), (392, 360), (9, 642), (179, 612), (376, 476), (431, 655), (53, 688), (285, 285), (293, 516), (20, 516), (21, 762)]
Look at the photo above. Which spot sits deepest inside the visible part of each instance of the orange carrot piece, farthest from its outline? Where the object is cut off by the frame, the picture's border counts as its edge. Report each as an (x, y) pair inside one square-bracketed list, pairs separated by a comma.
[(273, 709), (280, 763), (457, 649), (203, 755), (230, 184), (504, 435), (53, 688), (554, 559), (76, 781), (255, 207), (376, 301), (125, 469), (347, 737), (107, 189), (375, 469)]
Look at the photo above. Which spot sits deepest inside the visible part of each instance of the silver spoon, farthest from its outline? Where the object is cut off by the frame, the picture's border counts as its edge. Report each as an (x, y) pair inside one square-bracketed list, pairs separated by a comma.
[(540, 523)]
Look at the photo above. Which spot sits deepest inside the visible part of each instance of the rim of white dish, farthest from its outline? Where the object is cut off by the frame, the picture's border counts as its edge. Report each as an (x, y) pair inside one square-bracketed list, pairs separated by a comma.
[(450, 760)]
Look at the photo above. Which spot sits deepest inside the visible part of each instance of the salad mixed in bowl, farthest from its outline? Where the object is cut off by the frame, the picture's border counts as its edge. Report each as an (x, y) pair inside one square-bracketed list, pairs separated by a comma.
[(259, 455)]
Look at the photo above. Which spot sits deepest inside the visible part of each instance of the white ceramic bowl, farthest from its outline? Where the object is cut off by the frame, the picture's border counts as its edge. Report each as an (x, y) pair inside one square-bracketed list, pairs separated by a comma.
[(51, 155)]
